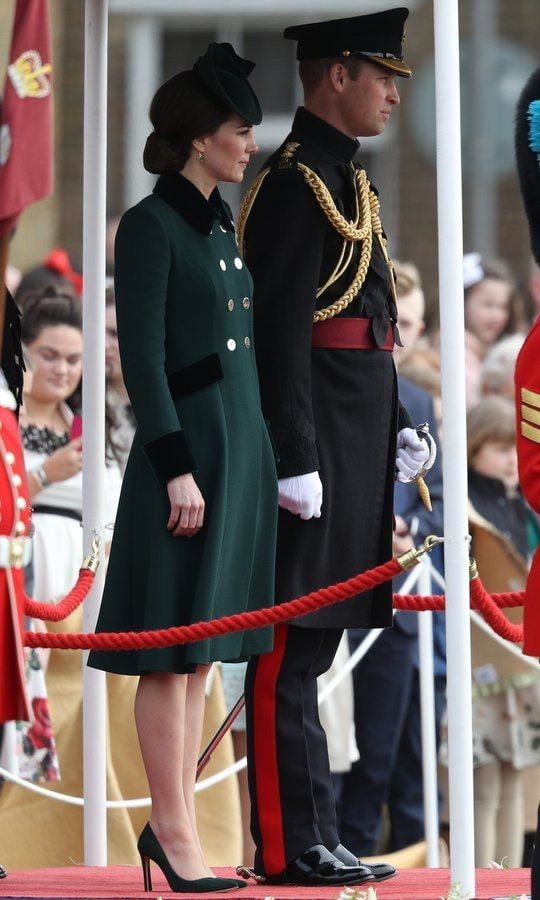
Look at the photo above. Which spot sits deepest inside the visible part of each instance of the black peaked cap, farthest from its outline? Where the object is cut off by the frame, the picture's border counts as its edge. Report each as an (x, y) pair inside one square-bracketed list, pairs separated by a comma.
[(378, 37), (226, 75)]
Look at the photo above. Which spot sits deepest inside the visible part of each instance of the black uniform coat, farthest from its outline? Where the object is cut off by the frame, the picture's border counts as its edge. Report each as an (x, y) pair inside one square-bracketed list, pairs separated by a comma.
[(330, 410)]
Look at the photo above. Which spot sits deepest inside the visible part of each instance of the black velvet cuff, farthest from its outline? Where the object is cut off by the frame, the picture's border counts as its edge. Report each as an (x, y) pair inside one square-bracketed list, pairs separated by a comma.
[(297, 456), (170, 456)]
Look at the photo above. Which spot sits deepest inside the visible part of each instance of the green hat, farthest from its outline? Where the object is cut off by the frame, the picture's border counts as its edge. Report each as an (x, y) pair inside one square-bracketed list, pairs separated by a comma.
[(226, 75), (378, 37)]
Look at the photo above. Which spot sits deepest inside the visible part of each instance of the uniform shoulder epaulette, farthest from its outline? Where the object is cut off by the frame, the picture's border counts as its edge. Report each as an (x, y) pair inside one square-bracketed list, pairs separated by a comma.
[(287, 157), (530, 414)]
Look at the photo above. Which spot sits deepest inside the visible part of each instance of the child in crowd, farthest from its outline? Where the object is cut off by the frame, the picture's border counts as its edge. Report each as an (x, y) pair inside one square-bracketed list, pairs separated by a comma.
[(506, 710)]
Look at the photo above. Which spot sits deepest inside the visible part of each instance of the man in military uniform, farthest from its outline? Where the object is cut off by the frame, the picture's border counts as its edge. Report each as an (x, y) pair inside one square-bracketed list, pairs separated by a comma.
[(325, 315)]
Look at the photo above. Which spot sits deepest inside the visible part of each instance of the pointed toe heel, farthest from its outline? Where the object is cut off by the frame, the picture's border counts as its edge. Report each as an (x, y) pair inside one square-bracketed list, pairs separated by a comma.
[(150, 849)]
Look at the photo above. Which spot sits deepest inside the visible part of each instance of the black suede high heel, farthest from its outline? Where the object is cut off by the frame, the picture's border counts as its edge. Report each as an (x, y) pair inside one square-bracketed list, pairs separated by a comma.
[(150, 849)]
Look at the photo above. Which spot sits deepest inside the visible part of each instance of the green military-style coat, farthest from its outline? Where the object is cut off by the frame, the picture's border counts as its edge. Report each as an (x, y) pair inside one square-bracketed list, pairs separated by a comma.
[(184, 306)]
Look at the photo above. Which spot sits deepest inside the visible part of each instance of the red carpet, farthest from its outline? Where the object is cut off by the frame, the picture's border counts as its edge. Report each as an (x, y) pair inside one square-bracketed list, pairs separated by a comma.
[(126, 882)]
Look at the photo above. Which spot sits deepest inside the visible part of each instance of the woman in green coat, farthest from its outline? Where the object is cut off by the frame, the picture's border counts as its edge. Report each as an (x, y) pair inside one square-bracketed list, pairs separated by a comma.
[(195, 532)]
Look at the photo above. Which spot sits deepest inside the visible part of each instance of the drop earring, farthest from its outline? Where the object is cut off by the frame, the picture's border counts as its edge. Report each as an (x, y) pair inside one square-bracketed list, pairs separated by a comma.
[(200, 156)]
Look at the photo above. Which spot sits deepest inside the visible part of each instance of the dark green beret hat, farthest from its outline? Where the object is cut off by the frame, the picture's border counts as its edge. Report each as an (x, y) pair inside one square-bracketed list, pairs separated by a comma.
[(226, 75), (378, 37)]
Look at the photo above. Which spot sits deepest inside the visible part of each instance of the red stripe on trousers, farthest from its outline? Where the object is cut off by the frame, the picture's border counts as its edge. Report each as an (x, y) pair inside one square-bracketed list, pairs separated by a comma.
[(265, 750)]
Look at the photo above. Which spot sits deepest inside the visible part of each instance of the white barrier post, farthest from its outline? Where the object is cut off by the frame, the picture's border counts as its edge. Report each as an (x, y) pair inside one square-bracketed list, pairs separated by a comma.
[(427, 706), (454, 443), (94, 190)]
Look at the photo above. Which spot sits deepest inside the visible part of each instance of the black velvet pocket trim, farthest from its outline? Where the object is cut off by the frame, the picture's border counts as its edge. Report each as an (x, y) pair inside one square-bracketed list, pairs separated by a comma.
[(170, 456), (195, 377)]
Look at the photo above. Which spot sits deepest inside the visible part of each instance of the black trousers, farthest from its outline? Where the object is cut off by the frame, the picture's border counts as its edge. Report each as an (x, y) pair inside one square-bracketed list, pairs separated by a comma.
[(535, 866), (290, 786)]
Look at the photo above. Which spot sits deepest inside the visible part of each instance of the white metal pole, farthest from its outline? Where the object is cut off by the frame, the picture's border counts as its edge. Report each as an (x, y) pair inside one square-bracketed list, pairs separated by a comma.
[(450, 230), (143, 75), (94, 189), (427, 706)]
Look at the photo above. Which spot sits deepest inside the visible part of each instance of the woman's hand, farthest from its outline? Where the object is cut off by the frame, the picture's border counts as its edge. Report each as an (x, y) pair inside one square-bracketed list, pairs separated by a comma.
[(187, 506), (64, 462)]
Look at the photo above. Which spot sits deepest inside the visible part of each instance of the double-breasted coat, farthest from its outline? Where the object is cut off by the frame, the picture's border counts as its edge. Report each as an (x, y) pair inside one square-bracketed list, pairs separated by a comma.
[(330, 410), (184, 305)]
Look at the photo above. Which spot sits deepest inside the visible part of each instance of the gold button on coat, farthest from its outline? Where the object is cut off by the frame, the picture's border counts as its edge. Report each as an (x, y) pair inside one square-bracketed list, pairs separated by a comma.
[(230, 305), (223, 265), (231, 344), (246, 302), (247, 342), (238, 262)]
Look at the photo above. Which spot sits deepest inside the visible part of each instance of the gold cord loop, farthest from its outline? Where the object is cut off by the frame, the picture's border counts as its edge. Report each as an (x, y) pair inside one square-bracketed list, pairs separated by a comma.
[(367, 223)]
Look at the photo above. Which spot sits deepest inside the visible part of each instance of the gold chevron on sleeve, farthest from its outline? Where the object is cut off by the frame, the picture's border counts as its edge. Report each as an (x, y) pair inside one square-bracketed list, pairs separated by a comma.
[(530, 415), (531, 432), (530, 397)]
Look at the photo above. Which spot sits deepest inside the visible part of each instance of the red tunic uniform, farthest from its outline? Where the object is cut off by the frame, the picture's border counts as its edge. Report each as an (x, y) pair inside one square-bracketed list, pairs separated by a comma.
[(527, 381), (14, 520)]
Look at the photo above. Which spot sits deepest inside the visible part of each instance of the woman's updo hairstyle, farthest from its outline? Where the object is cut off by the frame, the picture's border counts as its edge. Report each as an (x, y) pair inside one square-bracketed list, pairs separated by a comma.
[(182, 109), (48, 308)]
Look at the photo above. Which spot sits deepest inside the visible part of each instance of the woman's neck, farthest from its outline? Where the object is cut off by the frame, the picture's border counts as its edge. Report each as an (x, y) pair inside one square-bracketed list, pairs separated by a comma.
[(195, 172), (46, 415)]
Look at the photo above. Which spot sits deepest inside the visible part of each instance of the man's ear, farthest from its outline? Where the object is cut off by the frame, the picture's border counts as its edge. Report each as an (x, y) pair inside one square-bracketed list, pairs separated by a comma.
[(336, 75)]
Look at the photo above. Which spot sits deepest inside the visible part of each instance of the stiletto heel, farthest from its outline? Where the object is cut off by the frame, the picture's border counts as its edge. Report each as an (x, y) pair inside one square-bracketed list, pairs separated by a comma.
[(150, 849), (145, 862)]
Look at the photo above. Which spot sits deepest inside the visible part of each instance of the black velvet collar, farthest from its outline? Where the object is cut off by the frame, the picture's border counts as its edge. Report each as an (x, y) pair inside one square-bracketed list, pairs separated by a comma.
[(335, 142), (187, 200)]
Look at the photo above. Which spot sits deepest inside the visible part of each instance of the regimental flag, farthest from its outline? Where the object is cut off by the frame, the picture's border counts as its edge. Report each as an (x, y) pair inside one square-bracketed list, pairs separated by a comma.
[(26, 115)]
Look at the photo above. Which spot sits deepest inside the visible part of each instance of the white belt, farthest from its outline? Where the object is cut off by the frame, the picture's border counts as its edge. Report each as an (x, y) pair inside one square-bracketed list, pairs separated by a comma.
[(15, 552)]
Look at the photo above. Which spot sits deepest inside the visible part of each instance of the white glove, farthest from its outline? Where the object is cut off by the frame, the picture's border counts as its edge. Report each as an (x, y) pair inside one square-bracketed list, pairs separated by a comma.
[(301, 495), (415, 456)]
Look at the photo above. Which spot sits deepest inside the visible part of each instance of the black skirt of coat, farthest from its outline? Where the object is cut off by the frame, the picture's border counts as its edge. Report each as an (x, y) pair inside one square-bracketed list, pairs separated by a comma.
[(355, 409)]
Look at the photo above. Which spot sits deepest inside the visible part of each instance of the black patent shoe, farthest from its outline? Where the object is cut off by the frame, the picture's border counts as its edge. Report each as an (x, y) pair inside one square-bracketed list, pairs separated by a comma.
[(3, 873), (150, 849), (318, 867), (380, 871)]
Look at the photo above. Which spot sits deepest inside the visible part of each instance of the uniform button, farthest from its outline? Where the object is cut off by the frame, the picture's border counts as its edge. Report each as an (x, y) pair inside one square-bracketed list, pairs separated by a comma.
[(17, 480), (238, 262), (247, 342), (231, 344), (20, 528), (222, 265), (246, 302), (10, 458), (21, 502), (224, 230), (230, 305)]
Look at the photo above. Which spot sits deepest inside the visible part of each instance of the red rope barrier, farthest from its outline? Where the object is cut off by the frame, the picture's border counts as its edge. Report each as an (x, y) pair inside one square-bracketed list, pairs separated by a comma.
[(419, 602), (488, 608), (55, 612), (186, 634), (436, 602)]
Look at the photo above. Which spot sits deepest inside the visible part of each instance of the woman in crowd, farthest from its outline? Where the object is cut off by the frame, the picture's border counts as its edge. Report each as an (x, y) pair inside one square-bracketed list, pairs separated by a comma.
[(52, 334), (195, 532)]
